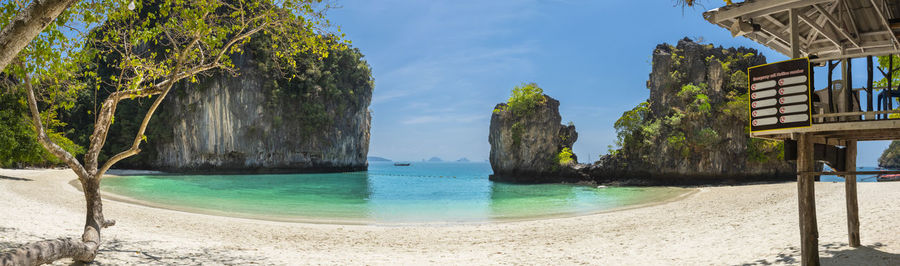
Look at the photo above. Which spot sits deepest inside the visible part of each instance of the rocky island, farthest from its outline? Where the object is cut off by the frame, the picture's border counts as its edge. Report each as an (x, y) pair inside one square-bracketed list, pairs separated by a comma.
[(890, 158), (528, 143), (312, 118), (693, 127), (691, 130)]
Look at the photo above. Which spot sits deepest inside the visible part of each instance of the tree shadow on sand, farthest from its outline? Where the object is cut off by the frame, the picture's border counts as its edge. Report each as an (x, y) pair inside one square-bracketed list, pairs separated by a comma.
[(3, 177), (118, 252), (6, 245), (837, 254)]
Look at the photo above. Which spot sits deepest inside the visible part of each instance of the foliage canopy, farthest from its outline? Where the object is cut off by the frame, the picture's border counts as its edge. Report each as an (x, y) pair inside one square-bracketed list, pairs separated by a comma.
[(524, 98)]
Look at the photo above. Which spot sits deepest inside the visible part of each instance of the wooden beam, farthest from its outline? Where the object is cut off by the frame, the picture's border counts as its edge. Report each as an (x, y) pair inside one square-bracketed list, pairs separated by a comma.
[(775, 21), (850, 191), (829, 141), (863, 125), (828, 35), (757, 8), (869, 50), (806, 191), (778, 33), (885, 23), (851, 16), (834, 24), (845, 114), (819, 21), (846, 173), (780, 41), (795, 33)]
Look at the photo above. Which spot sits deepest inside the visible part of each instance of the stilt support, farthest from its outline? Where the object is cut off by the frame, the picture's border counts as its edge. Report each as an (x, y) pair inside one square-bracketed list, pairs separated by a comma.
[(809, 235), (850, 189)]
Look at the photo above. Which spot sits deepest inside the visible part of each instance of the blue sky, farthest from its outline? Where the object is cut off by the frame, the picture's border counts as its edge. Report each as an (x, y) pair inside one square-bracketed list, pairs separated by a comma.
[(440, 66)]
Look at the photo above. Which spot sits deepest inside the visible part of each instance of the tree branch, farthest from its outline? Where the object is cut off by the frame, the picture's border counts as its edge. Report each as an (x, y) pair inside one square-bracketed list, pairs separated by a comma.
[(109, 105), (104, 119), (27, 25), (42, 137), (135, 145)]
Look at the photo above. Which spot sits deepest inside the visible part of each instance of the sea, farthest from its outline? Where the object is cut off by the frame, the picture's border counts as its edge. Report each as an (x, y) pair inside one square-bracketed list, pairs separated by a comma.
[(424, 192), (859, 178)]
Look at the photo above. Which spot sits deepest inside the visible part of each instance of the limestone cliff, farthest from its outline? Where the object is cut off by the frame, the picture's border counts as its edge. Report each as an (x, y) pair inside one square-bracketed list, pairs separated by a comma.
[(527, 146), (313, 118), (891, 157), (693, 127)]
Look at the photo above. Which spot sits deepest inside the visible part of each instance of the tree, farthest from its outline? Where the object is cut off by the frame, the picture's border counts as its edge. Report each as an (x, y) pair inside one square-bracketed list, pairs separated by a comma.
[(152, 46), (691, 3), (26, 25)]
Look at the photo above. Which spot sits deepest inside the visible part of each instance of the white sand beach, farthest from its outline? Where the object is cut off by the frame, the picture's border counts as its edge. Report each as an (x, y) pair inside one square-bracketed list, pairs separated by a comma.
[(733, 225)]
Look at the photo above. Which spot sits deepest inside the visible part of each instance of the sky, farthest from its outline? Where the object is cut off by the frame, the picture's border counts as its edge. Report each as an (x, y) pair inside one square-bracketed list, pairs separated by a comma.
[(440, 66)]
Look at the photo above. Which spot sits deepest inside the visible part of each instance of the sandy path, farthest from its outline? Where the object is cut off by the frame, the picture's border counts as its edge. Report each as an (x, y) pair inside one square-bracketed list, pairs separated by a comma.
[(754, 224)]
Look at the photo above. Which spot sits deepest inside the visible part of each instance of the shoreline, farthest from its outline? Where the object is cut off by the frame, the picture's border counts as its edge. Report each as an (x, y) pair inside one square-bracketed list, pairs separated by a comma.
[(106, 195), (750, 224)]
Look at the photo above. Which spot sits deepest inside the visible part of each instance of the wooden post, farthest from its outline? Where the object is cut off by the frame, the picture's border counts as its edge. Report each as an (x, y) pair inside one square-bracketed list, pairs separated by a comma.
[(850, 190), (830, 88), (795, 33), (869, 87), (846, 90), (806, 189), (887, 91), (809, 235), (848, 81)]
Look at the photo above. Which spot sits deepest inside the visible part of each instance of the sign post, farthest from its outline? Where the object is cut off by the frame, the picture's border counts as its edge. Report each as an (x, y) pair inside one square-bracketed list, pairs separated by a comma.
[(780, 96)]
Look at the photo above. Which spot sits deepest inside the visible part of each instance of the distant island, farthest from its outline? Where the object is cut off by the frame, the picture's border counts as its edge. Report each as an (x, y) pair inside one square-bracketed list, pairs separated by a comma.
[(462, 160), (435, 159), (378, 159)]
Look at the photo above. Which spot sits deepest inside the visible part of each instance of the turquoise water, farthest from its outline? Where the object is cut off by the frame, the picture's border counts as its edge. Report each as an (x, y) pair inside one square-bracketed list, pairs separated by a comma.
[(422, 192), (859, 178)]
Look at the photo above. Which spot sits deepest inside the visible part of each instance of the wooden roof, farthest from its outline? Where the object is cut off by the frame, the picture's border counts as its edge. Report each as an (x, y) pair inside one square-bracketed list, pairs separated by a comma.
[(828, 29)]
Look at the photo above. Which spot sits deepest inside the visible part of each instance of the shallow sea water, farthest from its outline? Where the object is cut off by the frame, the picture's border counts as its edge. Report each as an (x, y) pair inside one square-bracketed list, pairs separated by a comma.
[(420, 193)]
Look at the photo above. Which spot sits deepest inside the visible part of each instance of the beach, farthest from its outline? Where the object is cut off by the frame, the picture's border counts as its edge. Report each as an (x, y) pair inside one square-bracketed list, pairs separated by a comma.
[(722, 225)]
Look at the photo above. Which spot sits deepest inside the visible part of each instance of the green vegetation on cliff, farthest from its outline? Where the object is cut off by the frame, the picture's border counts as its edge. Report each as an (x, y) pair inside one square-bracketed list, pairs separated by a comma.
[(310, 94), (525, 98), (565, 156), (522, 102), (528, 142), (18, 140), (696, 112), (891, 156), (312, 91), (323, 85)]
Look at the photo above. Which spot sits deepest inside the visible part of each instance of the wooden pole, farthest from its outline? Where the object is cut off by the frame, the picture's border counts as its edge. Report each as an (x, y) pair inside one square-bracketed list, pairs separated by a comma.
[(869, 82), (848, 81), (795, 33), (830, 88), (850, 190), (887, 91), (844, 95), (809, 235)]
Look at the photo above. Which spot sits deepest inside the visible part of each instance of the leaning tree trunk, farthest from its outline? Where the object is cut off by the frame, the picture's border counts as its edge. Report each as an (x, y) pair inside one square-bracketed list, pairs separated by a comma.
[(85, 250), (48, 251)]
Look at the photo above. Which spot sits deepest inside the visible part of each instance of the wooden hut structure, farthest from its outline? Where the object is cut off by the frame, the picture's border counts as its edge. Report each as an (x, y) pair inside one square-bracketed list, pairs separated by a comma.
[(829, 33)]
